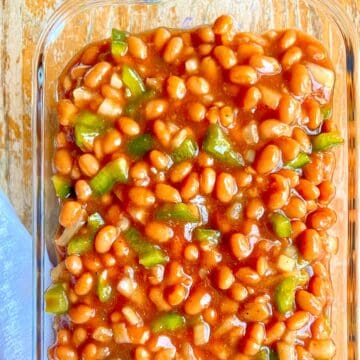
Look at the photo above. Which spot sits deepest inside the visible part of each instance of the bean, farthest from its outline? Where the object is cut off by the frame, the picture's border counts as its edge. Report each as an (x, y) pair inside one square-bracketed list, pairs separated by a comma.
[(209, 69), (285, 350), (224, 277), (328, 159), (288, 109), (84, 284), (196, 111), (288, 39), (322, 349), (226, 116), (291, 175), (302, 138), (161, 36), (139, 172), (176, 295), (89, 352), (289, 147), (197, 85), (223, 24), (238, 292), (253, 311), (198, 300), (159, 159), (225, 56), (137, 47), (142, 354), (302, 354), (226, 187), (308, 302), (155, 108), (66, 111), (250, 347), (179, 171), (162, 132), (240, 246), (81, 314), (176, 87), (167, 193), (278, 192), (70, 213), (300, 82), (79, 336), (141, 196), (256, 332), (63, 161), (274, 332), (111, 141), (327, 192), (73, 264), (63, 336), (251, 98), (321, 219), (210, 315), (243, 75), (268, 159), (320, 329), (309, 243), (320, 288), (295, 208), (207, 180), (111, 93), (191, 253), (205, 34), (254, 209), (298, 320), (272, 128), (307, 190), (89, 165), (292, 56), (97, 74), (63, 352), (191, 186), (105, 238), (265, 64), (173, 49), (247, 276), (128, 126), (246, 50)]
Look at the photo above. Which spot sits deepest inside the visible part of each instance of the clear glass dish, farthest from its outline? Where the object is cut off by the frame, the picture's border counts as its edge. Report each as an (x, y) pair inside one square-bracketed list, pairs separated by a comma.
[(77, 23)]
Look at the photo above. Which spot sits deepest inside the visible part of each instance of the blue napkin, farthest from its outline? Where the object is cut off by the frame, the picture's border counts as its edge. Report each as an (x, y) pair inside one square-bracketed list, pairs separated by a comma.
[(15, 285)]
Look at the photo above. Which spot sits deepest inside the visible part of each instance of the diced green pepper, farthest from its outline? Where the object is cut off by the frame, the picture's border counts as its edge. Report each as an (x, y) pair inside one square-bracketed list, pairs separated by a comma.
[(95, 221), (56, 301), (104, 289), (81, 244), (142, 144), (326, 112), (132, 80), (168, 322), (285, 294), (119, 44), (207, 235), (187, 150), (325, 141), (176, 212), (87, 127), (132, 108), (116, 171), (266, 353), (301, 160), (62, 186), (148, 253), (281, 225), (217, 145)]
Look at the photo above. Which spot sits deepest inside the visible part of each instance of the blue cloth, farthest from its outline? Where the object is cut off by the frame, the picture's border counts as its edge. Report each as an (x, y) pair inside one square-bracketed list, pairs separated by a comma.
[(15, 285)]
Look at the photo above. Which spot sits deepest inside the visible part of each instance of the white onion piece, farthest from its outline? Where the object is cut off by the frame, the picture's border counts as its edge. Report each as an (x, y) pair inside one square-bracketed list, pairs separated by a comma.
[(70, 231)]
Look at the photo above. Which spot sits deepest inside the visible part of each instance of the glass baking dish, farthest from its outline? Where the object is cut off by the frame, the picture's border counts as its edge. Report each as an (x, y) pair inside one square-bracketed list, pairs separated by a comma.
[(77, 23)]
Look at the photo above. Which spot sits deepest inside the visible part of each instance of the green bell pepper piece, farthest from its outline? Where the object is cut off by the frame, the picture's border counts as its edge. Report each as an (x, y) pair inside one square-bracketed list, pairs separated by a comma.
[(217, 145), (62, 186), (133, 106), (148, 253), (116, 171), (207, 235), (142, 144), (325, 141), (132, 80), (81, 244), (87, 127), (266, 353), (281, 225), (95, 221), (301, 160), (326, 112), (103, 288), (168, 322), (285, 294), (119, 44), (56, 301), (187, 150), (176, 212)]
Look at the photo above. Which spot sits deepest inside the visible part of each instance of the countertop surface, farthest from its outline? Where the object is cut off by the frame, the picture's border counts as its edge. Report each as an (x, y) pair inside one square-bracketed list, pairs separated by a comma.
[(20, 24)]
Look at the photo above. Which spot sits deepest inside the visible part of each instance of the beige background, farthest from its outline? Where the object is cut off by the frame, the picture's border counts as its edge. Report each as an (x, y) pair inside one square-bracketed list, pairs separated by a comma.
[(20, 24)]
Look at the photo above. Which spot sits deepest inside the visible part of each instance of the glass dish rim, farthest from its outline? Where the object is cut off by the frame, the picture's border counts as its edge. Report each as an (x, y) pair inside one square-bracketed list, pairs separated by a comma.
[(69, 9)]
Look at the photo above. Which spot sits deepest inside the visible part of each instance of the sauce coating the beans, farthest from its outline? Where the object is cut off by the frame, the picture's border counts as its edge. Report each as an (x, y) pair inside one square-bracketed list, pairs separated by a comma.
[(195, 172)]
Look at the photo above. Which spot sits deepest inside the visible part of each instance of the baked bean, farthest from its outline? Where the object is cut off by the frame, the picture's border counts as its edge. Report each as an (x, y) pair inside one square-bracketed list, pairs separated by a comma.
[(225, 56), (226, 116), (70, 213), (321, 219), (320, 329), (291, 57), (223, 24), (243, 75), (207, 180), (83, 190), (111, 141), (269, 97), (302, 138), (300, 83), (141, 196), (253, 311), (274, 332), (315, 52), (81, 314), (278, 192), (255, 209), (265, 64), (246, 50), (252, 98), (179, 171), (176, 295), (105, 238), (289, 147), (137, 47), (205, 160), (73, 264), (314, 114), (97, 74), (198, 300), (173, 49), (295, 208), (191, 187), (161, 36), (238, 292), (84, 284), (167, 193), (240, 246), (66, 111), (303, 354), (288, 109), (196, 111), (322, 349), (205, 34), (197, 85), (291, 175), (209, 69), (268, 159), (328, 165), (248, 276), (176, 87), (159, 159), (226, 187), (79, 336), (298, 320), (155, 108), (224, 277), (63, 352), (128, 126), (288, 39), (89, 165), (271, 128), (307, 190), (191, 253), (63, 161), (309, 243), (250, 347), (327, 192), (139, 172)]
